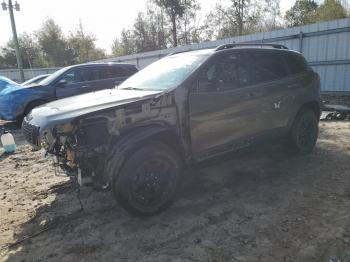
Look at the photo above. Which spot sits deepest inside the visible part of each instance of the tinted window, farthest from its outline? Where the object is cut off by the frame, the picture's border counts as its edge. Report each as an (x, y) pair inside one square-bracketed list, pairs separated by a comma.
[(221, 74), (78, 75), (72, 76), (265, 67), (88, 74), (112, 72), (296, 63)]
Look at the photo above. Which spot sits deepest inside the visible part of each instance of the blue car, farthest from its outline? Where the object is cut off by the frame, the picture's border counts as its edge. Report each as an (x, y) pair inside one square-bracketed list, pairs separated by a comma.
[(16, 101), (5, 82)]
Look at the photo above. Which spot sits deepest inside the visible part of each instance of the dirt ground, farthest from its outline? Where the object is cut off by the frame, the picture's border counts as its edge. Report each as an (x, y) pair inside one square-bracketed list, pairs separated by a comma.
[(261, 204)]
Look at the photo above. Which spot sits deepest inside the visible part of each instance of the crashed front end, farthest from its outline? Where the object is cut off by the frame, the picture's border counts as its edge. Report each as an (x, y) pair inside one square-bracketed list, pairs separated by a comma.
[(80, 146), (61, 142)]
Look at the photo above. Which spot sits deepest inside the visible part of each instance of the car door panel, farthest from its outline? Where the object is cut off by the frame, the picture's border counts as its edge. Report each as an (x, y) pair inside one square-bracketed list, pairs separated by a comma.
[(218, 119), (223, 117), (270, 76), (75, 83)]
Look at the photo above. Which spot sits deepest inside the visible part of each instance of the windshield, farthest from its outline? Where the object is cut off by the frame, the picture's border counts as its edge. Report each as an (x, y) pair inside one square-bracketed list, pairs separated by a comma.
[(166, 73), (48, 80)]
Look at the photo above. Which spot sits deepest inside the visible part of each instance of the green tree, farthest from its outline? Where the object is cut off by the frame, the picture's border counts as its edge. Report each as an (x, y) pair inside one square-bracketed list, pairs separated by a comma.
[(189, 28), (301, 13), (329, 10), (83, 46), (232, 18), (54, 44), (148, 33), (175, 10), (271, 18), (124, 45), (29, 50), (142, 34)]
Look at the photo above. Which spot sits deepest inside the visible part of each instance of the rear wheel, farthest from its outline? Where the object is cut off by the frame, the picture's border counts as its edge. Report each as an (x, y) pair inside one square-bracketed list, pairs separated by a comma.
[(148, 181), (304, 132)]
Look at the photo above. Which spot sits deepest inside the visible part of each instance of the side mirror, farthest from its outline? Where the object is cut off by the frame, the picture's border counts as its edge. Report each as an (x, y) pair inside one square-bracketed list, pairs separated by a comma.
[(61, 83)]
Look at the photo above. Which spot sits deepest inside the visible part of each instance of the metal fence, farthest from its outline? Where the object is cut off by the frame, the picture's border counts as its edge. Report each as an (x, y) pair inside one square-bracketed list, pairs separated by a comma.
[(28, 73), (325, 45)]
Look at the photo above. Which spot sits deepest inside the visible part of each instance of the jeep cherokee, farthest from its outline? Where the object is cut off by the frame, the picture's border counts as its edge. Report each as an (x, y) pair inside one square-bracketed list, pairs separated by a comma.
[(180, 110)]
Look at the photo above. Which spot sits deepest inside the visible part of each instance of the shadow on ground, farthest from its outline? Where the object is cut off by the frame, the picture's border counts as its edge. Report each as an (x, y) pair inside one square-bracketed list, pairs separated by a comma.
[(261, 204)]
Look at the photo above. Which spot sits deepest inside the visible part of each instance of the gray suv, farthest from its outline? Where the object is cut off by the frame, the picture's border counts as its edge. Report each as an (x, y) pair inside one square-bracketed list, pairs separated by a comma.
[(180, 110)]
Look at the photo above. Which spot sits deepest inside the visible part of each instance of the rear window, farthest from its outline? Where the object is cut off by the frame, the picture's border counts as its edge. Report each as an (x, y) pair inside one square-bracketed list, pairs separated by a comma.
[(265, 67), (105, 72), (296, 63)]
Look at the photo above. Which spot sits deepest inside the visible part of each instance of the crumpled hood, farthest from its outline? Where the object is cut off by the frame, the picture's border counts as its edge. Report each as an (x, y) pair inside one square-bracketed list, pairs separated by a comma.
[(64, 110)]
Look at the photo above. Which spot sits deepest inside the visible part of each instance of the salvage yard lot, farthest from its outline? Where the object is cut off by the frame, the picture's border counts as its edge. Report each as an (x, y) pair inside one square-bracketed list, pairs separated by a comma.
[(261, 204)]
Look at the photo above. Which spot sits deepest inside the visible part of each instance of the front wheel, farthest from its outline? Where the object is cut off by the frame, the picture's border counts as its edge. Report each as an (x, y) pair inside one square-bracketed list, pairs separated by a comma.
[(148, 181), (304, 132)]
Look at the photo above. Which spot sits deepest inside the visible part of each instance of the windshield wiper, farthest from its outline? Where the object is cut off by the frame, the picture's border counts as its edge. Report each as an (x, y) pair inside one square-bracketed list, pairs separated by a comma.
[(131, 88)]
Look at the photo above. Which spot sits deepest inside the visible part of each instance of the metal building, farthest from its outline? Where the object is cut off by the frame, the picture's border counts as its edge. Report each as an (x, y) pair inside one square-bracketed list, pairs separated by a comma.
[(325, 45)]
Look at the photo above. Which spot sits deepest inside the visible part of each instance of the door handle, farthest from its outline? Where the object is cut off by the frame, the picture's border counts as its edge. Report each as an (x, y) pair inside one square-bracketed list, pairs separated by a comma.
[(293, 86), (247, 95)]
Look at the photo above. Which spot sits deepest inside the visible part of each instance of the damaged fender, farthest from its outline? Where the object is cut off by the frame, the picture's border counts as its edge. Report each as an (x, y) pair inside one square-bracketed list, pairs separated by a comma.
[(125, 146)]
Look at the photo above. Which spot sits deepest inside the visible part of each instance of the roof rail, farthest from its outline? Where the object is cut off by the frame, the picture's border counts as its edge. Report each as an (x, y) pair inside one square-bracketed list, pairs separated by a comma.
[(179, 52), (233, 45)]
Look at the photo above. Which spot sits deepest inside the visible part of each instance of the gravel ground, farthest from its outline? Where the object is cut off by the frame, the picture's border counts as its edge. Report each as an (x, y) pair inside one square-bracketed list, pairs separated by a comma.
[(261, 204)]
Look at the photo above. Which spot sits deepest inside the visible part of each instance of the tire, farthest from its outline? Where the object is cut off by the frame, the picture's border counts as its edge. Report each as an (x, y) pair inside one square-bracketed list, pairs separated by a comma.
[(304, 132), (148, 181)]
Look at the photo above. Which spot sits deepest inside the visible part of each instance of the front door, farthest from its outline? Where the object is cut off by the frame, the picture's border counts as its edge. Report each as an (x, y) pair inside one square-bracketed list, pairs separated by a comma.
[(75, 83), (224, 107)]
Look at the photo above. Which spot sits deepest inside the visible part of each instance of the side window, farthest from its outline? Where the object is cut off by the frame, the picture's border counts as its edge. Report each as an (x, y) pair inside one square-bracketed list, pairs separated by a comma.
[(220, 75), (102, 72), (93, 73), (120, 72), (296, 63), (266, 66), (73, 76)]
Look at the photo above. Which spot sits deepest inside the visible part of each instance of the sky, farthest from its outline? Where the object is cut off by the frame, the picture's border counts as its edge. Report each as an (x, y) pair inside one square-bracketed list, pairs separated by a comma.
[(105, 18)]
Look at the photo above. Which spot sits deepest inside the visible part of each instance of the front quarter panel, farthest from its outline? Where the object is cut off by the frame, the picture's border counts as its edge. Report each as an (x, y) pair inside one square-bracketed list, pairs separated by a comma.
[(13, 104)]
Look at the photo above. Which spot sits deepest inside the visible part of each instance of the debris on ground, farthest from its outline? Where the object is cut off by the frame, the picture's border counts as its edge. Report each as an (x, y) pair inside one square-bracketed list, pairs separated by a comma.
[(335, 112), (261, 204)]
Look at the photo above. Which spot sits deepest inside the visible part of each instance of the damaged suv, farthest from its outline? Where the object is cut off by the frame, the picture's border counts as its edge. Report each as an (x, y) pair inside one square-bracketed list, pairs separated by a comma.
[(183, 109)]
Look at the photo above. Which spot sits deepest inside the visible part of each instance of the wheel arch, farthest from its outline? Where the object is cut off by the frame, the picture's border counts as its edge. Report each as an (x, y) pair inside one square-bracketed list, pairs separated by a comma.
[(313, 105), (123, 147)]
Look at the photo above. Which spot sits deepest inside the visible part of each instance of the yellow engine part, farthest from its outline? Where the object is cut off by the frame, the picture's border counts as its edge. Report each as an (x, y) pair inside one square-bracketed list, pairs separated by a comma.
[(70, 158)]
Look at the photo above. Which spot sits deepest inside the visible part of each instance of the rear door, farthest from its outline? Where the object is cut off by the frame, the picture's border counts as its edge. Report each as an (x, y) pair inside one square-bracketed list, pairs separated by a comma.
[(225, 107), (269, 79)]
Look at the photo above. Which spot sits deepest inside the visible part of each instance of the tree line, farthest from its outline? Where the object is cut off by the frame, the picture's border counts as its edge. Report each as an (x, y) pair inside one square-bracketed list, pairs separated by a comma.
[(164, 24)]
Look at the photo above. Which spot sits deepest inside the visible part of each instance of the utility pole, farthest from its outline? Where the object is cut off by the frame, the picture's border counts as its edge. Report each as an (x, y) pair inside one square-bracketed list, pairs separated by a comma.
[(14, 32)]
